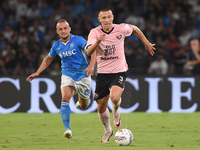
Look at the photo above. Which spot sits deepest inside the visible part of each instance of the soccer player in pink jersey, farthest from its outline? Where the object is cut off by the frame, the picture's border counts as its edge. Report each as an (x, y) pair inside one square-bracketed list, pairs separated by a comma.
[(107, 41)]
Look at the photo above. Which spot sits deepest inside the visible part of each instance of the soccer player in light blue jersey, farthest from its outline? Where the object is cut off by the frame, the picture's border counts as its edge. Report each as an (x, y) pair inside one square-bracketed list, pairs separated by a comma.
[(76, 72)]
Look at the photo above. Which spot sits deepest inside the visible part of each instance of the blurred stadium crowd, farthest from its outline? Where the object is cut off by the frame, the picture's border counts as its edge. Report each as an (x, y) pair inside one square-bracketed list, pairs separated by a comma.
[(27, 31)]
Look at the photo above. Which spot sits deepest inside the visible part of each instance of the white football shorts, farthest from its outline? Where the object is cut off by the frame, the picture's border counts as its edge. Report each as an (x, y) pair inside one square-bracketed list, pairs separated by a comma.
[(83, 86)]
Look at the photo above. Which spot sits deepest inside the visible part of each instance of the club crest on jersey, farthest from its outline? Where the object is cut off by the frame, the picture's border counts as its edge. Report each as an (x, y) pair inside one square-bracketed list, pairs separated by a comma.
[(71, 45), (119, 37)]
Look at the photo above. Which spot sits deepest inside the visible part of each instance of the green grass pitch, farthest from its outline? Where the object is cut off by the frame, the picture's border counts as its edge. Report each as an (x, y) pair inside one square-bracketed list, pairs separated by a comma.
[(160, 131)]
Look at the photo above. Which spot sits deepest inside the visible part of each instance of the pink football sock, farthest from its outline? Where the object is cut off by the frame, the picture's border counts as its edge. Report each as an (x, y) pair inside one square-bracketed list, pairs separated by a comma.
[(105, 120)]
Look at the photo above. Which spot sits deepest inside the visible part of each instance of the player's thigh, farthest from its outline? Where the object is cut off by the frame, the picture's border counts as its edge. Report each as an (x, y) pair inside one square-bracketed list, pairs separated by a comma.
[(116, 92), (68, 88), (84, 88), (67, 92), (117, 86)]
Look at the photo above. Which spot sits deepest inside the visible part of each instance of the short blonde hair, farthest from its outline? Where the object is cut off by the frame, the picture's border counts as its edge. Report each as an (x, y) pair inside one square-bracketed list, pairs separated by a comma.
[(62, 20)]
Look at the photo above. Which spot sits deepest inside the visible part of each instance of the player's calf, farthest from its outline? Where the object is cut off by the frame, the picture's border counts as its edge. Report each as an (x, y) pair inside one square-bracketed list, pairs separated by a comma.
[(78, 106)]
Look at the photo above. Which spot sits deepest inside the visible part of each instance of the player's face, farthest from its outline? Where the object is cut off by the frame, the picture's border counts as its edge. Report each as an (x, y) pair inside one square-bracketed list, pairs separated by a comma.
[(63, 30), (106, 19)]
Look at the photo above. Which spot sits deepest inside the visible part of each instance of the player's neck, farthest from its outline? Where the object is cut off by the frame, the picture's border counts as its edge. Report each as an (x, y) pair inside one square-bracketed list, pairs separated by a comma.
[(107, 29), (65, 40)]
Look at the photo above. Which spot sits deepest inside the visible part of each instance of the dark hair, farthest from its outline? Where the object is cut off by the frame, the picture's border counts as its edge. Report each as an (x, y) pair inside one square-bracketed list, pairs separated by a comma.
[(107, 8)]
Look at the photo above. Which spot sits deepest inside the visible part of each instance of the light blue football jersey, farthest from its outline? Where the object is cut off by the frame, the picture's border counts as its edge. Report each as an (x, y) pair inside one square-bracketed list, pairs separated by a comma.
[(73, 56)]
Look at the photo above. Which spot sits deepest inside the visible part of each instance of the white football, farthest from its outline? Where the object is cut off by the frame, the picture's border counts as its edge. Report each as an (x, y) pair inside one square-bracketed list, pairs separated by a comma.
[(123, 137)]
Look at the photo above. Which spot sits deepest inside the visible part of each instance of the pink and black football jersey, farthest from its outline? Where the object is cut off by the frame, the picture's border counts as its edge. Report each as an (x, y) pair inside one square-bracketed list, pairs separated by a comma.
[(110, 52)]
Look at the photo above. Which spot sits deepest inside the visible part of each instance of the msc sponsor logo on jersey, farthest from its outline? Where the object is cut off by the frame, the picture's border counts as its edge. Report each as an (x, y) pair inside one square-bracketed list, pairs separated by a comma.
[(67, 53)]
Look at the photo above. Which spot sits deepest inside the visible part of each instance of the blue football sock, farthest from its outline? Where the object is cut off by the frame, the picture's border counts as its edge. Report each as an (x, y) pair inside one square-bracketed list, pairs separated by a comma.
[(65, 114)]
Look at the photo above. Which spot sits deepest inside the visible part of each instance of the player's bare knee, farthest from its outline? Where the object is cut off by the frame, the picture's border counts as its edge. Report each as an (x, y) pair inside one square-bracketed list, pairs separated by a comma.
[(66, 98), (101, 109), (114, 99)]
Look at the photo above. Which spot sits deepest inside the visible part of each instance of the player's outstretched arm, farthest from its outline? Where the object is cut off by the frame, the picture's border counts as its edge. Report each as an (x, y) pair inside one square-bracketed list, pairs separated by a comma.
[(195, 48), (193, 62), (150, 47), (45, 63)]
